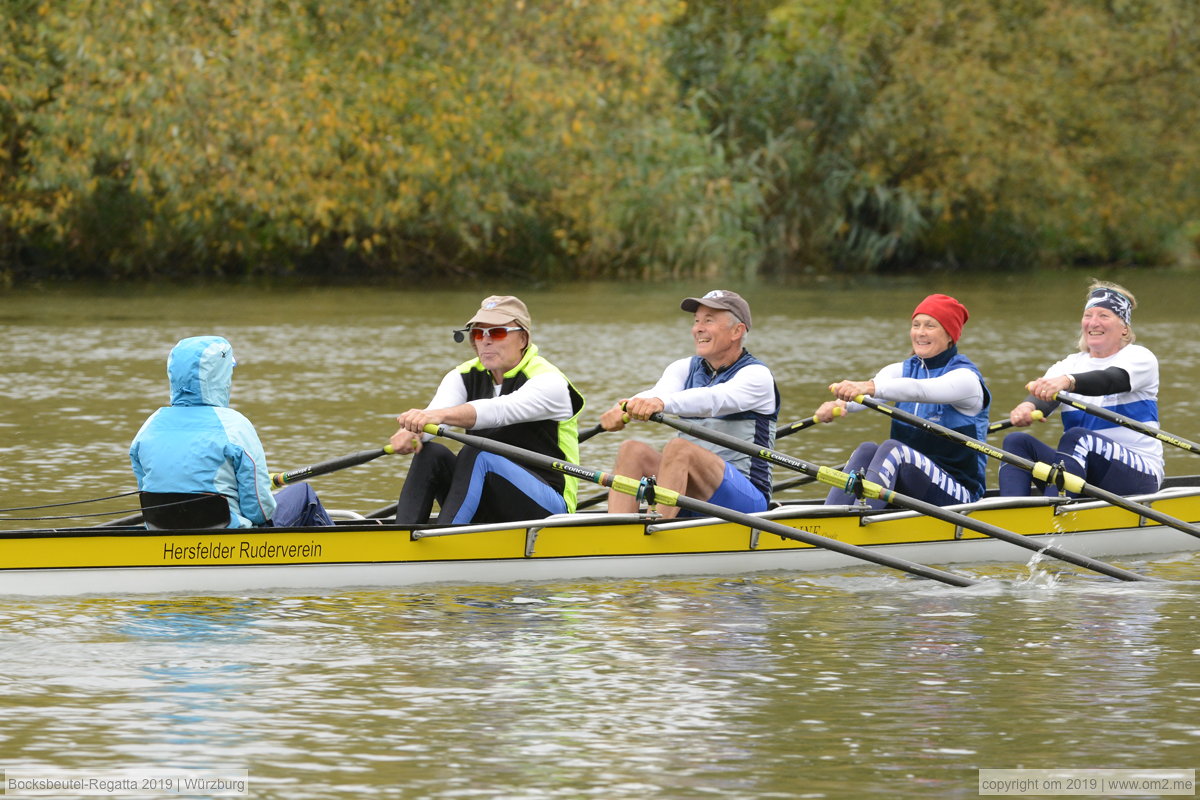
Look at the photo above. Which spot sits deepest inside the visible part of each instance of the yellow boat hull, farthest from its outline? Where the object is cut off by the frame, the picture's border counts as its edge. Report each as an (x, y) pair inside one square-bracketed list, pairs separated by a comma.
[(571, 547)]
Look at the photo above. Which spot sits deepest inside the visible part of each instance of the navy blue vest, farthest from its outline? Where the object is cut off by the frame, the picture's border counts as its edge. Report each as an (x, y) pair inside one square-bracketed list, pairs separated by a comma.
[(748, 425), (967, 466)]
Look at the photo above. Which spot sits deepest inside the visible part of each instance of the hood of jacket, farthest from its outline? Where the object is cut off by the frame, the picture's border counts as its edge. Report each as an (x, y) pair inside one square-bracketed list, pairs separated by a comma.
[(200, 369)]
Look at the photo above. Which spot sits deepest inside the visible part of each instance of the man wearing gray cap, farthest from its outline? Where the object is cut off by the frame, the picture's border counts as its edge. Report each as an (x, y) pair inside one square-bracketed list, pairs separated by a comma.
[(509, 393), (722, 387)]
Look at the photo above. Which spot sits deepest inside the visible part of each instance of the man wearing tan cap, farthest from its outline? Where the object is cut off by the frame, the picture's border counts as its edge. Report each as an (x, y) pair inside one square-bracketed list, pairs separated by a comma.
[(509, 393), (722, 387)]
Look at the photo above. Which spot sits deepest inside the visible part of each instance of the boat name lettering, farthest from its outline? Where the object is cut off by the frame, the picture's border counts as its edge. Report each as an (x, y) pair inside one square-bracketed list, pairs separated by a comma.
[(242, 550), (268, 550)]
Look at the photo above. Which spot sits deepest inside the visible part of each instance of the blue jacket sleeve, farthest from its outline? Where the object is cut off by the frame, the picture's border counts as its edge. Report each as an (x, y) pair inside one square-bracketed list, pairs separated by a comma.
[(250, 479)]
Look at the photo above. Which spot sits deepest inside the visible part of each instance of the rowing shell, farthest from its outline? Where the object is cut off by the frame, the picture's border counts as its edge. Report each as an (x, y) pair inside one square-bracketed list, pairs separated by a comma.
[(369, 553)]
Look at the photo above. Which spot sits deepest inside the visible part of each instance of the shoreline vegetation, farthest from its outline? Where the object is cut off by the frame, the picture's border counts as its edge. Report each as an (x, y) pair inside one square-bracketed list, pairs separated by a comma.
[(647, 140)]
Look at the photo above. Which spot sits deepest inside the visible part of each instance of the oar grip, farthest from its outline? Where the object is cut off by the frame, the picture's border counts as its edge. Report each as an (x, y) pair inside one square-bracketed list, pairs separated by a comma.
[(280, 479)]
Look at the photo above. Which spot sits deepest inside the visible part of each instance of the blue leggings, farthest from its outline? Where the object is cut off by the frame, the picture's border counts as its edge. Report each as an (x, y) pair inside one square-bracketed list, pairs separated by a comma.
[(1092, 456), (901, 468), (473, 486)]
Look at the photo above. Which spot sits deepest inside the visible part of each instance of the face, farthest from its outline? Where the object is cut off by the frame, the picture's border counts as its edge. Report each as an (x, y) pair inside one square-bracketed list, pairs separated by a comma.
[(928, 336), (717, 334), (500, 355), (1102, 331)]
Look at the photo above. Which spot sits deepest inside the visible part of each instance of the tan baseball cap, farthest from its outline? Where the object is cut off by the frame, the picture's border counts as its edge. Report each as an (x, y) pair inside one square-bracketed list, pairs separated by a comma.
[(501, 309), (724, 300)]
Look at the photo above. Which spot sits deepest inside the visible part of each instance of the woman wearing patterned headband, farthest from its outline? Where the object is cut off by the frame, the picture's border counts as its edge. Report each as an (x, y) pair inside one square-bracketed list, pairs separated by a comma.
[(1108, 371), (936, 383)]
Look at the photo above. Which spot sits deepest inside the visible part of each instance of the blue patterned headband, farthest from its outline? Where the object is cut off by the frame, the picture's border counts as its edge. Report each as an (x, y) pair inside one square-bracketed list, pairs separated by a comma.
[(1114, 301)]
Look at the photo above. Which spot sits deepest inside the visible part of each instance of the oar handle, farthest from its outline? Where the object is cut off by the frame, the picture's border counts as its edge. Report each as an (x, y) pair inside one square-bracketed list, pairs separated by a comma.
[(333, 465), (590, 432), (799, 425), (1004, 424)]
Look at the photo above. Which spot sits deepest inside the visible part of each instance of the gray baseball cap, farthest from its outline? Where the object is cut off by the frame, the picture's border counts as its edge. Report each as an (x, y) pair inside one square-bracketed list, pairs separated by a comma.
[(724, 300)]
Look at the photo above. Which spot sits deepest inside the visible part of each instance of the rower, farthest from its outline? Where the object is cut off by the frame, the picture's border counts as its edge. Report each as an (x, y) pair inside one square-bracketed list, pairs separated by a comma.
[(199, 448), (1109, 371), (726, 389), (507, 392), (937, 383)]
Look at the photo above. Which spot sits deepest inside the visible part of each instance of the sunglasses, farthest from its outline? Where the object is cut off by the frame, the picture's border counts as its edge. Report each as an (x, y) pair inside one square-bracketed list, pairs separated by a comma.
[(495, 334)]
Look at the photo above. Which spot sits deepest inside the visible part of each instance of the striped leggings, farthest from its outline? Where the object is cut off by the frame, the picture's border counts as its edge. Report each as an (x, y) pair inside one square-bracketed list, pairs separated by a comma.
[(1092, 456), (901, 468)]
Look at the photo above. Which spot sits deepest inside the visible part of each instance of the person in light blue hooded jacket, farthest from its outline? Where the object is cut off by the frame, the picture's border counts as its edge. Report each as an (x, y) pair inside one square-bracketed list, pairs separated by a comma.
[(198, 444)]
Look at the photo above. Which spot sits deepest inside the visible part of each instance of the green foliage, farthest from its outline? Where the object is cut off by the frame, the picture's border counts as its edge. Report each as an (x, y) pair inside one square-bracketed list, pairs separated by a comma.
[(390, 136), (614, 138), (989, 133)]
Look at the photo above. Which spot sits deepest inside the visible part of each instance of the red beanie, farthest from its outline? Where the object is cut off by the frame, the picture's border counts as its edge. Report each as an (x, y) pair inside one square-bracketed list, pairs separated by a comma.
[(949, 313)]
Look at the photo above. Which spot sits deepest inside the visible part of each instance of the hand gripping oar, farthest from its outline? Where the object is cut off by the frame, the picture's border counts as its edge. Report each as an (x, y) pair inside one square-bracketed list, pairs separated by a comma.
[(1042, 471), (325, 467), (643, 489), (996, 427), (846, 482), (1133, 425)]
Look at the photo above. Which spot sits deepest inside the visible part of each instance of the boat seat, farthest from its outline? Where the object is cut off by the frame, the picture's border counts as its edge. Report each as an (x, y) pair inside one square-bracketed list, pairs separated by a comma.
[(168, 511)]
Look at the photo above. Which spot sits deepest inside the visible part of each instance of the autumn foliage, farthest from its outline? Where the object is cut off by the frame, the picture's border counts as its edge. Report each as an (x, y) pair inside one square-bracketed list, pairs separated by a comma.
[(609, 138)]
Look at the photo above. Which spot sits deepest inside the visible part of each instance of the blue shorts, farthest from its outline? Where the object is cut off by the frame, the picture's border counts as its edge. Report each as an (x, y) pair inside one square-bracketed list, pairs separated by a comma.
[(736, 492)]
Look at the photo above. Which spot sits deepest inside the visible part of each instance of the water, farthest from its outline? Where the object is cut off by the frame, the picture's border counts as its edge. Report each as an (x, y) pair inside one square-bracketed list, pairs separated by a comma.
[(858, 684)]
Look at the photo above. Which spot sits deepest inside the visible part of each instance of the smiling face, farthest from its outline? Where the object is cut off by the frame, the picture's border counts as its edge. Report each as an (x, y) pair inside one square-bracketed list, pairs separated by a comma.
[(928, 336), (500, 355), (718, 336), (1103, 332)]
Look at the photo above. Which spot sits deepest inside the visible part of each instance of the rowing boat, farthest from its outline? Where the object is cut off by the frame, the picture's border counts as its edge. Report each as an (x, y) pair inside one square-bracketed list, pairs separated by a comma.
[(361, 552)]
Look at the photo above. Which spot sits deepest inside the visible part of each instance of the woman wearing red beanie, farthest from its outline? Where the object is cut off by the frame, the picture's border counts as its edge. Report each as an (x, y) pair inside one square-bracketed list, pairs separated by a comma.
[(936, 383)]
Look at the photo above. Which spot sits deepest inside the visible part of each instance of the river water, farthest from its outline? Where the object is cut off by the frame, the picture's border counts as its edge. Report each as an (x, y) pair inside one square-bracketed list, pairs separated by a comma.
[(863, 683)]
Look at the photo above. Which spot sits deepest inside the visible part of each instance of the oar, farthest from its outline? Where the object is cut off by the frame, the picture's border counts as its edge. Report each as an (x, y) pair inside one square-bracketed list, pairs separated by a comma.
[(1041, 470), (643, 489), (590, 432), (996, 427), (788, 430), (779, 486), (1133, 425), (847, 482), (333, 465), (808, 422)]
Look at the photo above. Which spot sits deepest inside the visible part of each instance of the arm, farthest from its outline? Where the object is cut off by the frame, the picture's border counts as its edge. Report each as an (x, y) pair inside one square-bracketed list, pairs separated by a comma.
[(1094, 383), (960, 388), (1113, 380), (451, 394), (245, 453), (846, 391), (542, 397), (649, 401), (751, 389)]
